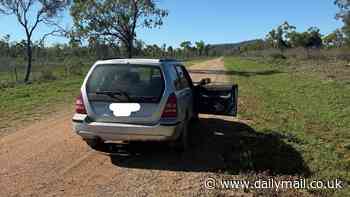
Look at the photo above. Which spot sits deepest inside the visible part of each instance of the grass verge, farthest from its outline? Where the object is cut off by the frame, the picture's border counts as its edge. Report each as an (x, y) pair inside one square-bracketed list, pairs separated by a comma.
[(25, 103), (315, 112)]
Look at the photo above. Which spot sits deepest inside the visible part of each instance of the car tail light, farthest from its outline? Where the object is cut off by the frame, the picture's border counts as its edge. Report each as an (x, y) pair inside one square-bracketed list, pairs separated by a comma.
[(170, 110), (79, 105)]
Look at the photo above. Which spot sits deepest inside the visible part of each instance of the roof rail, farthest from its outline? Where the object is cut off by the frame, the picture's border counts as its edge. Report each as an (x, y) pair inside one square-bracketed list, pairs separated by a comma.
[(160, 60), (113, 58), (168, 60)]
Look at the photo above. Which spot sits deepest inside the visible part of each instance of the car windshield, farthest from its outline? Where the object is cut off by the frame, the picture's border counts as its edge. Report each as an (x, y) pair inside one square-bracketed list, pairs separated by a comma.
[(125, 83)]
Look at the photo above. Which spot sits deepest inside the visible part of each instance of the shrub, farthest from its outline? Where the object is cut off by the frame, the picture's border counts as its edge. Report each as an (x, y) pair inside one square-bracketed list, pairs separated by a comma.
[(6, 84), (278, 56), (46, 75), (77, 69), (74, 67)]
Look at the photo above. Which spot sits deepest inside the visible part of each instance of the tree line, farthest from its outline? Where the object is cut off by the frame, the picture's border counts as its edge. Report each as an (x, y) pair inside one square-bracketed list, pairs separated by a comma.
[(286, 36), (96, 49), (107, 28)]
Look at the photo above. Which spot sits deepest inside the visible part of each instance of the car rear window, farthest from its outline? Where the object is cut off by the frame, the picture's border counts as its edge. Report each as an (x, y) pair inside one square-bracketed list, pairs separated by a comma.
[(125, 83)]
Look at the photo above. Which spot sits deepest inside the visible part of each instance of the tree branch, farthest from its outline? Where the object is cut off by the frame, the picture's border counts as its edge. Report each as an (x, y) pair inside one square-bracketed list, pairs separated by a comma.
[(136, 14), (37, 20), (52, 33)]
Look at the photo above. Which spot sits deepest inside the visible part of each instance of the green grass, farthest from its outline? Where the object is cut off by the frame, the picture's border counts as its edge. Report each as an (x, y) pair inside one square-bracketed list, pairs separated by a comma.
[(52, 89), (315, 111), (30, 102)]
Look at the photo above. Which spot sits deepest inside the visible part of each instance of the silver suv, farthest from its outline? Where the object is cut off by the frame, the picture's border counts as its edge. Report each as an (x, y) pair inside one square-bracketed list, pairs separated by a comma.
[(145, 100)]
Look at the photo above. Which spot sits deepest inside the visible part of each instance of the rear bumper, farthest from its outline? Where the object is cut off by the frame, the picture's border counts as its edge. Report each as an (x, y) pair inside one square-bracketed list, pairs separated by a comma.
[(124, 132)]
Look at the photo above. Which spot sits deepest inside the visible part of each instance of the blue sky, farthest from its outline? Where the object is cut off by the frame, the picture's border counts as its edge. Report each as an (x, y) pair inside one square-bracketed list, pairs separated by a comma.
[(221, 21)]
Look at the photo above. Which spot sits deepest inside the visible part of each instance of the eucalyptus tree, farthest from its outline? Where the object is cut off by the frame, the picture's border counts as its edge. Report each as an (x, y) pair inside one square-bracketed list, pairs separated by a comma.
[(200, 47), (116, 20), (334, 39), (344, 15), (31, 14), (170, 51), (278, 37), (186, 46)]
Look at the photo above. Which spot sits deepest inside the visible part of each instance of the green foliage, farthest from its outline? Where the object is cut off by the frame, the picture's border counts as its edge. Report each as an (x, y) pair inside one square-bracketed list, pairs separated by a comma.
[(334, 39), (285, 36), (186, 45), (297, 39), (115, 20), (344, 15), (313, 38), (278, 37), (200, 47), (308, 39), (30, 15)]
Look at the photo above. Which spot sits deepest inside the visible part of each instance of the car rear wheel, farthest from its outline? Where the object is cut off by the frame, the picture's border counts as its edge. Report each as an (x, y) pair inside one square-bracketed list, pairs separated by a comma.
[(182, 143), (95, 144)]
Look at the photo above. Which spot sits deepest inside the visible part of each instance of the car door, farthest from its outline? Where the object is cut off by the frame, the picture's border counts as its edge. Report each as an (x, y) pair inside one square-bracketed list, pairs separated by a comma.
[(185, 92), (217, 99)]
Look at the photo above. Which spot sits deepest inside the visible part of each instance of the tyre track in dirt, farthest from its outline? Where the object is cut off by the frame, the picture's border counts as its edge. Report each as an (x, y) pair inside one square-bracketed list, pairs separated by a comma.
[(47, 159)]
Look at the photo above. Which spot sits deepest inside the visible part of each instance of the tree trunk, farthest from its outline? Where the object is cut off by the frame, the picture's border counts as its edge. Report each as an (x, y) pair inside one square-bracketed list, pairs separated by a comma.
[(130, 49), (29, 61)]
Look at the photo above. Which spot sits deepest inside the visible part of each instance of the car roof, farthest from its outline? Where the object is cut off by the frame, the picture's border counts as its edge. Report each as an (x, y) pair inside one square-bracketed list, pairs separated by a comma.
[(137, 61)]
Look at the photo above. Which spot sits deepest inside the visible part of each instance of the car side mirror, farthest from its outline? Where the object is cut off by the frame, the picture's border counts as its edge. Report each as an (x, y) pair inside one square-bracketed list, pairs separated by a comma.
[(205, 81)]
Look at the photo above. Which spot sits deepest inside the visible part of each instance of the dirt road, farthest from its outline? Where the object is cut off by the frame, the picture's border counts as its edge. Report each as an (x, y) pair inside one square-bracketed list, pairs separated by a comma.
[(47, 159)]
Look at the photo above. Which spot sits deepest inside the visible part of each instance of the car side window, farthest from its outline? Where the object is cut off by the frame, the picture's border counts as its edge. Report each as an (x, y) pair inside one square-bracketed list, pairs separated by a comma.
[(182, 77), (175, 78), (187, 77)]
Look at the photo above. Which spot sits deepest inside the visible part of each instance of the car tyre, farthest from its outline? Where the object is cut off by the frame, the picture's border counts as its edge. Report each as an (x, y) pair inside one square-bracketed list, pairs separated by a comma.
[(182, 143), (95, 144)]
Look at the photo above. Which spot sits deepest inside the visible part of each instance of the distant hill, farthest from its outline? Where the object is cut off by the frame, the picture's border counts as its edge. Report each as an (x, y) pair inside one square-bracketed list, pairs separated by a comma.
[(228, 48)]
